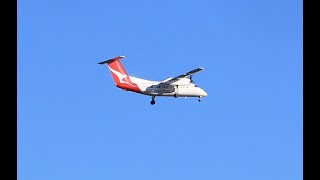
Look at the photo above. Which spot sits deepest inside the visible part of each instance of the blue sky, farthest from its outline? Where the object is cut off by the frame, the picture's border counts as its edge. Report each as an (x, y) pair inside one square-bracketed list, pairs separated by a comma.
[(74, 124)]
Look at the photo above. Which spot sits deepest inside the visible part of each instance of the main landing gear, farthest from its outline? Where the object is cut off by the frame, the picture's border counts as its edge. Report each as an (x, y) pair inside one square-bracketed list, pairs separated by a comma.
[(152, 102)]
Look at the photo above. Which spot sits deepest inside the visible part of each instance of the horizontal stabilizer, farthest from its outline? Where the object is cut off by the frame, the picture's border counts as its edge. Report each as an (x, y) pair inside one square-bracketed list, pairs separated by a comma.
[(113, 59)]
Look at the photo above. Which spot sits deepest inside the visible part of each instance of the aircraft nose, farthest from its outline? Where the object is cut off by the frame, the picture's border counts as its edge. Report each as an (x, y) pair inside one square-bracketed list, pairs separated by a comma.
[(202, 92)]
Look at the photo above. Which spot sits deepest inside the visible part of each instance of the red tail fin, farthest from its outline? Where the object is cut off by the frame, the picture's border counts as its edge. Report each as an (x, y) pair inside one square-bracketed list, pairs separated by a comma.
[(119, 74)]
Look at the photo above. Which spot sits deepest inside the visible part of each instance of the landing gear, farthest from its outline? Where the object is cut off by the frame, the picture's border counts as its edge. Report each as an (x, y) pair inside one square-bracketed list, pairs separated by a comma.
[(152, 102), (199, 98), (175, 95)]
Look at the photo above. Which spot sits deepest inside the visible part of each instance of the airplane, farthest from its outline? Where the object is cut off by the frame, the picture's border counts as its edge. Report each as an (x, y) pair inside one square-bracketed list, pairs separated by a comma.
[(179, 86)]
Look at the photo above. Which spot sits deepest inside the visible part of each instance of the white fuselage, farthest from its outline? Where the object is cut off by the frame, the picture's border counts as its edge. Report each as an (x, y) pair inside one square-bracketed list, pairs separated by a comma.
[(183, 87)]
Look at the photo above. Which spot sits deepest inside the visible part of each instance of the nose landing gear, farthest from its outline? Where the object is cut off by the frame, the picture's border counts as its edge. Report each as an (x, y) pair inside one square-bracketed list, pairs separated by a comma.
[(199, 98)]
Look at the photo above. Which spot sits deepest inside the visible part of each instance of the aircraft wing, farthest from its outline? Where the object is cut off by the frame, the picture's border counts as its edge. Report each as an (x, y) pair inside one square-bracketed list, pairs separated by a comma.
[(183, 75)]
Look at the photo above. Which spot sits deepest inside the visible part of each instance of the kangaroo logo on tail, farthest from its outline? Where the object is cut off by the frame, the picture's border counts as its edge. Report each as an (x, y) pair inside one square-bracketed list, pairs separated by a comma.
[(122, 78), (119, 74)]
